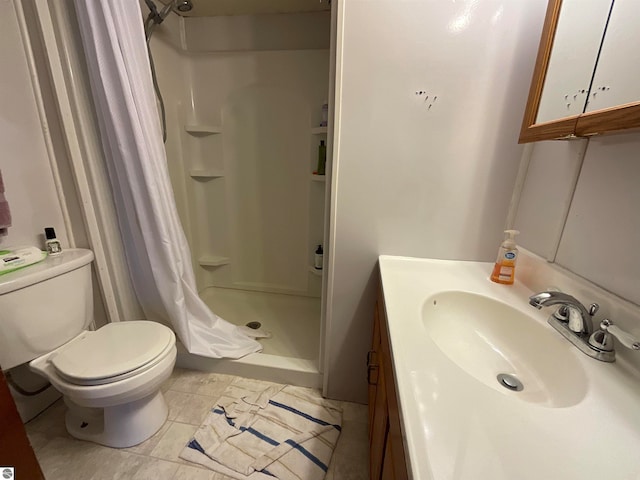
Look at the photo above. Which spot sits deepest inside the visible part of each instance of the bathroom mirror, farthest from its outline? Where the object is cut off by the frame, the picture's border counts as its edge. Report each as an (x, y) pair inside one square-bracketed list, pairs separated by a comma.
[(572, 62), (585, 78)]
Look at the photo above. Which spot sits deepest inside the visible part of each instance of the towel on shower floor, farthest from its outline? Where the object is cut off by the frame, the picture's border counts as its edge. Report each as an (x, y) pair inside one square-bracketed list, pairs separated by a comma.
[(254, 332), (282, 432), (5, 213)]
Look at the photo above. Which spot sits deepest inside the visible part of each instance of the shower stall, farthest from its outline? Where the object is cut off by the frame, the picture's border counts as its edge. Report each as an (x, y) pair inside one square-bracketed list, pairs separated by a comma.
[(243, 88)]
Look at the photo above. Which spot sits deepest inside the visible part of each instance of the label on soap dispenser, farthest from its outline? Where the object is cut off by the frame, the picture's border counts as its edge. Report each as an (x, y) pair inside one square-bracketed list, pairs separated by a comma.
[(503, 270), (505, 273)]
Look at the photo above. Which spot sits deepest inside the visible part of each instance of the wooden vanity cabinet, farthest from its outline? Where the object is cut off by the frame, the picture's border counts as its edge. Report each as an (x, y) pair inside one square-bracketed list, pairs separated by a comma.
[(386, 445)]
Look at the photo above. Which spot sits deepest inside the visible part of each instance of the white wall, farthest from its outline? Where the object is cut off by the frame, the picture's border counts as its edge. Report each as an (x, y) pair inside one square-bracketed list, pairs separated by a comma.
[(599, 240), (39, 184), (24, 162), (409, 180)]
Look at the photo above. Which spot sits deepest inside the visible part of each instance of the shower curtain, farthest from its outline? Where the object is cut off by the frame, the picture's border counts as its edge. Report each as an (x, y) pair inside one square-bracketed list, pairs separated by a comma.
[(156, 248)]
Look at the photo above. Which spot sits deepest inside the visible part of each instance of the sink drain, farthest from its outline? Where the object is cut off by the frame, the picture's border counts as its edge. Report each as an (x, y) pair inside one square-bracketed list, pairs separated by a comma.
[(254, 325), (510, 382)]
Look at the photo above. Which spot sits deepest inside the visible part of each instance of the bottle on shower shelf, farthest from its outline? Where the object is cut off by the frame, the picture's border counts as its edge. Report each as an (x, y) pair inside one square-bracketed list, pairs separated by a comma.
[(322, 158), (325, 114), (317, 261)]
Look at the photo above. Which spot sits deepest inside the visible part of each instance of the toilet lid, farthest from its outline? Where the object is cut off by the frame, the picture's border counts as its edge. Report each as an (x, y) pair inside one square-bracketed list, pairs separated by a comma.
[(113, 350)]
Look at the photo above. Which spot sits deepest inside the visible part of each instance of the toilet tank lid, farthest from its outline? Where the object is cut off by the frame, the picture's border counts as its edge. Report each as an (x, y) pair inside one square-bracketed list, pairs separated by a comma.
[(54, 265)]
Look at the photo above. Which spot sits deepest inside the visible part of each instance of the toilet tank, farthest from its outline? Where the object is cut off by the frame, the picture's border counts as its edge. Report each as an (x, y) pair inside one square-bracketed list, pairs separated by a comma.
[(44, 306)]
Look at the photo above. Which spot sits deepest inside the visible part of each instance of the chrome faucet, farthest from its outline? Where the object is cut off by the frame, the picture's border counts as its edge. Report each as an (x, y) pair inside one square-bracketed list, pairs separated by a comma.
[(574, 322), (571, 311)]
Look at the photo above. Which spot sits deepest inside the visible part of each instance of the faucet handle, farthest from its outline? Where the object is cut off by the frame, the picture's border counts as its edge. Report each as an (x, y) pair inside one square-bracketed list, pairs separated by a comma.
[(562, 313), (623, 337)]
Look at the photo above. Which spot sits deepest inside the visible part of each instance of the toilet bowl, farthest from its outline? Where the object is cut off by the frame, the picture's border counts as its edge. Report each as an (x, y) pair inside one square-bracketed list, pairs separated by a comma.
[(112, 390), (111, 377)]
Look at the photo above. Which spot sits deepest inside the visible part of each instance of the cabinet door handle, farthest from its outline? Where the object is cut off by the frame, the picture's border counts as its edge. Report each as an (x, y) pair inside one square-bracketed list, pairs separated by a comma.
[(372, 365), (370, 369), (370, 355)]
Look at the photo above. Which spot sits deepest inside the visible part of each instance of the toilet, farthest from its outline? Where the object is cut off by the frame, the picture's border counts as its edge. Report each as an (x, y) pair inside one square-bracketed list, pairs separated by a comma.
[(110, 378)]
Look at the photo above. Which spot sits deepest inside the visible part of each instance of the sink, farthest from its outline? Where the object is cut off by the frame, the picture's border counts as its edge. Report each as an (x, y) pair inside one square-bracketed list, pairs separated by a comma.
[(486, 338), (452, 331)]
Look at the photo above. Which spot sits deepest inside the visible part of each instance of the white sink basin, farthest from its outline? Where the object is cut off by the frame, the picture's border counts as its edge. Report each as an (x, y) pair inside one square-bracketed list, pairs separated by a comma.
[(486, 338)]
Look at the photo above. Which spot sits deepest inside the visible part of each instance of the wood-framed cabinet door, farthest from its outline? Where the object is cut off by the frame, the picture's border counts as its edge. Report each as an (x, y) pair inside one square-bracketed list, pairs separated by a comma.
[(15, 448)]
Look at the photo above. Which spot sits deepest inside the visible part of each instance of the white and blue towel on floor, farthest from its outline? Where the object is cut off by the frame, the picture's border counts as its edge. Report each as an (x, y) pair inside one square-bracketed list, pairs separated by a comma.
[(282, 432)]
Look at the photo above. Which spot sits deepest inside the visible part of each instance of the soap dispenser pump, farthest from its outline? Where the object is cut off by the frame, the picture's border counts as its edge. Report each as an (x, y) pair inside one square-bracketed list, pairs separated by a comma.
[(504, 271)]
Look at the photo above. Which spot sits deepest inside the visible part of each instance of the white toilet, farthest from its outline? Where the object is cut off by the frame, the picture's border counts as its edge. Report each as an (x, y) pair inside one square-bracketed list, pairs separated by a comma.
[(111, 377)]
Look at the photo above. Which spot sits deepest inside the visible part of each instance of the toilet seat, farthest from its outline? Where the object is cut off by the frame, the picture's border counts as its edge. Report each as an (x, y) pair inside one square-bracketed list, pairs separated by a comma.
[(112, 353)]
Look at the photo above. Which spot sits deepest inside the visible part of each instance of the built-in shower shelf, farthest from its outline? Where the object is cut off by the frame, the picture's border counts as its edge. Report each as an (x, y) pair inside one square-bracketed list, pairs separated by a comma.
[(315, 271), (213, 261), (205, 174), (318, 130), (202, 129), (318, 178)]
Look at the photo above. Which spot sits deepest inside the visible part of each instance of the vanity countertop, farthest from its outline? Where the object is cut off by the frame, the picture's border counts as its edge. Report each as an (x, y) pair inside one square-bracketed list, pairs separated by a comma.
[(457, 427)]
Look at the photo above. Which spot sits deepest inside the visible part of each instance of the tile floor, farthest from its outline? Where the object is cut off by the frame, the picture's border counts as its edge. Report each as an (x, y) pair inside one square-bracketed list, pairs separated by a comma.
[(190, 395)]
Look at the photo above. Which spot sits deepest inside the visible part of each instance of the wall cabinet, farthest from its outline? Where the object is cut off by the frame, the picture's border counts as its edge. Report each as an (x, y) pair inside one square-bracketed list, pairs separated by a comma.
[(386, 445), (585, 78)]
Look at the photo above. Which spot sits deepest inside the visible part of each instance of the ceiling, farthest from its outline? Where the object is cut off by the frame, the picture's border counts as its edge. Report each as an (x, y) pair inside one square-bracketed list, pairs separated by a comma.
[(211, 8)]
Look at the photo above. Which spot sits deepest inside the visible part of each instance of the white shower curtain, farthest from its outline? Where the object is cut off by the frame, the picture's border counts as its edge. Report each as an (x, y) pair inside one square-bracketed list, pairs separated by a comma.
[(156, 248)]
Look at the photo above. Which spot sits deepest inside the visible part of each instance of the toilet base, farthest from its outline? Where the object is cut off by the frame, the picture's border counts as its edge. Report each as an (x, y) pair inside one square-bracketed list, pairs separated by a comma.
[(119, 426)]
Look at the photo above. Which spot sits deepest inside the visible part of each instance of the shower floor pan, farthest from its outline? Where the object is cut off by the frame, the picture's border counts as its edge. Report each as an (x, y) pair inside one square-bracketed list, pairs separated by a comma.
[(289, 356)]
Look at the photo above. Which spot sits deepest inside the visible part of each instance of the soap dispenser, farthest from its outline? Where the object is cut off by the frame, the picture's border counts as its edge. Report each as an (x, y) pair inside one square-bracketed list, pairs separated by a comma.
[(504, 271)]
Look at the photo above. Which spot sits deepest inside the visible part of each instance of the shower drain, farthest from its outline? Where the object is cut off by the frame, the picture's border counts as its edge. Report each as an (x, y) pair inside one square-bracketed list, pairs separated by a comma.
[(254, 325), (510, 382)]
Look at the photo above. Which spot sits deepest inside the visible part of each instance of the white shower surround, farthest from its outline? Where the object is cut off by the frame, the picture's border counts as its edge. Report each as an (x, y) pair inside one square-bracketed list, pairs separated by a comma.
[(243, 182), (264, 102), (217, 76)]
